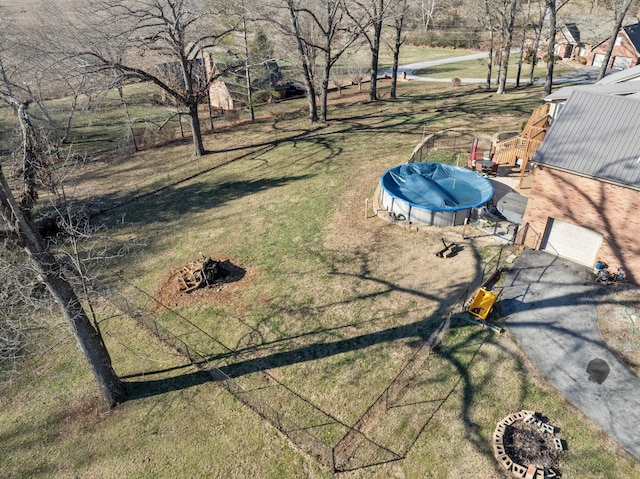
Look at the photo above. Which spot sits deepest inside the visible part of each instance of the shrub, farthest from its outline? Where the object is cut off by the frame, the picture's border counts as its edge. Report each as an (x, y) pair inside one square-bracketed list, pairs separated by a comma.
[(528, 56), (555, 58)]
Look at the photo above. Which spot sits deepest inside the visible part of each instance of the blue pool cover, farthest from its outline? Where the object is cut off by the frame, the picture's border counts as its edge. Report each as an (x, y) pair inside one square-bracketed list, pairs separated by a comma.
[(437, 186)]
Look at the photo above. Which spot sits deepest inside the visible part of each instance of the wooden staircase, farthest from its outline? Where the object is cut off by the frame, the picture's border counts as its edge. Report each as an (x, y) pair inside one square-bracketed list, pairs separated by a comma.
[(525, 145)]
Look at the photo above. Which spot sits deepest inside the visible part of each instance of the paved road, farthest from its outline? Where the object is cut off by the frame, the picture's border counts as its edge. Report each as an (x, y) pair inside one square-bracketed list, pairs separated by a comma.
[(411, 68), (552, 317), (581, 75)]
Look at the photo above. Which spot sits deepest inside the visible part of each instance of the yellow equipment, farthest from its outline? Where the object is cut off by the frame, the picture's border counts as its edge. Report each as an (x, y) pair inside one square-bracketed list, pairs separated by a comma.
[(482, 303)]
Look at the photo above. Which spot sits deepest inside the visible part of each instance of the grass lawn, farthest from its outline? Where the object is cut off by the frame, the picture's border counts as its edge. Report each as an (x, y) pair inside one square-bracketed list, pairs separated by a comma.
[(478, 69), (326, 325)]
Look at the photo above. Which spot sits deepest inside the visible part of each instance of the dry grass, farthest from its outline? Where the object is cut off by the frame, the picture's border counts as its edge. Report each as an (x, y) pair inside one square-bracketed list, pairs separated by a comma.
[(333, 306)]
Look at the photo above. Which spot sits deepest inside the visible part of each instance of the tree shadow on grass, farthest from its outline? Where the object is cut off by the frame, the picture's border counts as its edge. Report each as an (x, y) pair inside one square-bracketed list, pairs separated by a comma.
[(419, 396), (143, 388), (196, 197)]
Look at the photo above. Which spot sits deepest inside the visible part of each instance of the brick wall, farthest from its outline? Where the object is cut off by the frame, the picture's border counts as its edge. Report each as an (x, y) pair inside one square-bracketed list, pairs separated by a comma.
[(625, 49), (611, 210)]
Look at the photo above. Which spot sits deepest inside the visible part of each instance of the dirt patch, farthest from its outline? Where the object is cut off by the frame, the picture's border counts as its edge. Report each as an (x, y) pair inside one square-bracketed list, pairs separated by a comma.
[(219, 292)]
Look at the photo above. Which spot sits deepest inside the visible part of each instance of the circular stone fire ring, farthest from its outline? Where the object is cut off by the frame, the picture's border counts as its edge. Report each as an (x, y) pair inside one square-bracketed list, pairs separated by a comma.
[(526, 445)]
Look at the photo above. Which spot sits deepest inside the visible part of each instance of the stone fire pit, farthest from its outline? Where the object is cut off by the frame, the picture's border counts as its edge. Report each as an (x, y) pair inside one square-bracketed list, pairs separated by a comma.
[(526, 445)]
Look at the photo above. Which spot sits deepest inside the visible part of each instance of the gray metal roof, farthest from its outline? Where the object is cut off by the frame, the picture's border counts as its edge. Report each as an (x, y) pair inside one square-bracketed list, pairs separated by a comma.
[(625, 82), (631, 88), (597, 136), (627, 75)]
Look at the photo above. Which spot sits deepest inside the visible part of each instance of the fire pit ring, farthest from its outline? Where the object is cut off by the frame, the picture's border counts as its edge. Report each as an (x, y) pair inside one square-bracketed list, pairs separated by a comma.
[(528, 429)]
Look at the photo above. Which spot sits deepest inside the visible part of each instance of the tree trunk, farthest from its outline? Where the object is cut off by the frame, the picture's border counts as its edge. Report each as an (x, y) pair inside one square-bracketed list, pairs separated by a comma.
[(612, 40), (397, 44), (490, 57), (324, 94), (311, 101), (490, 61), (548, 83), (306, 72), (375, 53), (89, 339), (506, 50), (524, 38), (247, 72), (394, 75), (198, 147), (536, 46), (190, 99), (124, 104), (112, 390), (29, 160), (502, 73)]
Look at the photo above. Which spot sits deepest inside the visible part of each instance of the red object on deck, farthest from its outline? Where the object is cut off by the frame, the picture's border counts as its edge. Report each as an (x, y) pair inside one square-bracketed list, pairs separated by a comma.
[(474, 149)]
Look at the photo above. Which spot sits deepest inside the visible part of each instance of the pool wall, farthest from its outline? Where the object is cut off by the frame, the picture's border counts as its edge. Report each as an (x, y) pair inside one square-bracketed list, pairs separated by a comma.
[(417, 214), (423, 193)]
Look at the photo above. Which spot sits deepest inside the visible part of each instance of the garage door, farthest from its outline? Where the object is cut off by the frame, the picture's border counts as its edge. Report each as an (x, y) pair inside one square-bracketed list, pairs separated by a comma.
[(598, 59), (571, 241), (621, 63)]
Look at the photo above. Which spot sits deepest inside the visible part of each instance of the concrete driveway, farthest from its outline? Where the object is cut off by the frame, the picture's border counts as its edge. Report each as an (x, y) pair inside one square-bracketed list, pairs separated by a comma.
[(551, 315)]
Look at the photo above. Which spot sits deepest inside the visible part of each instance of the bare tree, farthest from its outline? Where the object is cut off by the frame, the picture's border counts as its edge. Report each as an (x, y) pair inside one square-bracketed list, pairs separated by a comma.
[(508, 10), (261, 71), (339, 81), (247, 70), (307, 55), (337, 35), (334, 36), (369, 17), (163, 42), (322, 34), (357, 70), (15, 215), (483, 16), (553, 7), (22, 300), (285, 15), (398, 22), (526, 21), (620, 8), (17, 210), (542, 11), (427, 10)]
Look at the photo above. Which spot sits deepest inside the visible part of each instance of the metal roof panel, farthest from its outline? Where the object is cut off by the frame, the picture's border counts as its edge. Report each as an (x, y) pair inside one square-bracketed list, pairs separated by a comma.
[(596, 135)]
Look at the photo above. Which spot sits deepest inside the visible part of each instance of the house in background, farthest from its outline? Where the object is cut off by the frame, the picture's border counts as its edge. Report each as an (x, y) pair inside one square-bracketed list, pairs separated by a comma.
[(626, 50), (171, 74), (228, 90), (576, 35), (567, 41), (585, 195), (586, 37)]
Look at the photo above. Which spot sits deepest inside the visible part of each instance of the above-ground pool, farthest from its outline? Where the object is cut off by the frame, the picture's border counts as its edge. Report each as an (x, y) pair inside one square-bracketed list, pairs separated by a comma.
[(433, 193)]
